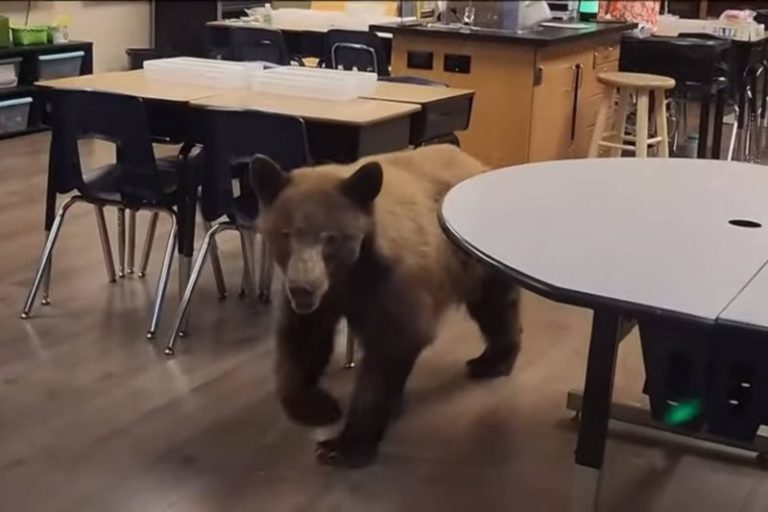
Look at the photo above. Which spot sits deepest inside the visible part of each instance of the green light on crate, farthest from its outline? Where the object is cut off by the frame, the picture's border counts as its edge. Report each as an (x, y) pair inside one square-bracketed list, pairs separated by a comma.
[(683, 412)]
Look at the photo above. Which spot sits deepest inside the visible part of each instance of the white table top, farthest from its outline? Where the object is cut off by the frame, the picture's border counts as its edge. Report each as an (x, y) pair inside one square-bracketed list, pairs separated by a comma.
[(649, 234), (750, 307)]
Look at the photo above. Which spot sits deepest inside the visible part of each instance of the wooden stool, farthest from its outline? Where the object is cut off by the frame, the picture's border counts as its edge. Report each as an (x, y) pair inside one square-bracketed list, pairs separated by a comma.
[(642, 85)]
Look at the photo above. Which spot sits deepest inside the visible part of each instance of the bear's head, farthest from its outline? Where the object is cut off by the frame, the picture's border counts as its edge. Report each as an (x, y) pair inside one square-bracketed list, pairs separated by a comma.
[(315, 223)]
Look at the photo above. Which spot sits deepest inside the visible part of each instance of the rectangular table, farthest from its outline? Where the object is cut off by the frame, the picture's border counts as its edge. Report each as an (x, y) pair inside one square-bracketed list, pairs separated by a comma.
[(337, 131), (304, 29), (444, 110)]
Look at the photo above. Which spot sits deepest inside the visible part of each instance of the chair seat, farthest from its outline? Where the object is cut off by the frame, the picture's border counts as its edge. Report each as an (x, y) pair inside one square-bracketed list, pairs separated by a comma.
[(104, 183), (635, 80)]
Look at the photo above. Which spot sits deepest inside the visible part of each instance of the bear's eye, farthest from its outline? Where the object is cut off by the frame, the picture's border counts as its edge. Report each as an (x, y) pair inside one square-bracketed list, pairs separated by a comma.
[(330, 240), (285, 234)]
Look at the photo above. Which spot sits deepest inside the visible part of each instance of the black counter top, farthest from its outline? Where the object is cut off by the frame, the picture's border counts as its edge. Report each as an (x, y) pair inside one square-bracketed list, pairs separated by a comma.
[(538, 36), (43, 48)]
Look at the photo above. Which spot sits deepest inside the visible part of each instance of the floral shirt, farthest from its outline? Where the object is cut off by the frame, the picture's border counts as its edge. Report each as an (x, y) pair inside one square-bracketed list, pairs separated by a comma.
[(641, 12)]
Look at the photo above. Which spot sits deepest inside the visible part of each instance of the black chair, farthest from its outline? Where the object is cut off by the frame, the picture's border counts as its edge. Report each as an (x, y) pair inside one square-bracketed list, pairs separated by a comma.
[(261, 44), (218, 43), (354, 50), (232, 141), (135, 181)]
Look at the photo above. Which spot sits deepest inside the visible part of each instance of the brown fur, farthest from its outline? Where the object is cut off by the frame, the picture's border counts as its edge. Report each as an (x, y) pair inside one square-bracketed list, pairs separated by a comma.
[(363, 241)]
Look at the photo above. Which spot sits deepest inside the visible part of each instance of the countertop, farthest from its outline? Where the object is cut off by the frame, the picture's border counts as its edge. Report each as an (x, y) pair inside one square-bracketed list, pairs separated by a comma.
[(538, 36)]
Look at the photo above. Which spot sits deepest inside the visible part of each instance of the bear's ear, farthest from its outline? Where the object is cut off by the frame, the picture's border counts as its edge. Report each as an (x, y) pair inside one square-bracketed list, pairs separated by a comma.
[(364, 185), (267, 179)]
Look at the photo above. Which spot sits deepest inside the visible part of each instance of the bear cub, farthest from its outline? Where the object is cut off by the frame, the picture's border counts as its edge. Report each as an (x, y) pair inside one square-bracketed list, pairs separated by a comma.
[(363, 241)]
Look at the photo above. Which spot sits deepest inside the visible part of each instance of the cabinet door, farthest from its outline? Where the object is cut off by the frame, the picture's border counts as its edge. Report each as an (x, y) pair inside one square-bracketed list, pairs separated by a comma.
[(554, 107), (591, 94)]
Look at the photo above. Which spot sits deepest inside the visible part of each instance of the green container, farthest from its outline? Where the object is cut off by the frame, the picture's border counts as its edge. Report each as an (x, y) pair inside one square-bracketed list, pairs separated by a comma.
[(26, 36), (5, 32)]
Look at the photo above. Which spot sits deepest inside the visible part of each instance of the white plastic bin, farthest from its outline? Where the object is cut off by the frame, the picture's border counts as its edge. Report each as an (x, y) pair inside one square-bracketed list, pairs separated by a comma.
[(59, 65), (9, 72), (14, 114)]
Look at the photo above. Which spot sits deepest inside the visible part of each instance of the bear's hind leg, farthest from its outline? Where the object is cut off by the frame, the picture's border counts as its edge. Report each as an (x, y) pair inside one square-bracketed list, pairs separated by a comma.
[(304, 347), (497, 312)]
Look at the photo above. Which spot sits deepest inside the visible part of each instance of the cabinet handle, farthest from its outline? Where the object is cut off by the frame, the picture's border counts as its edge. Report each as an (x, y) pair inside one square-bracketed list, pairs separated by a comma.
[(576, 86)]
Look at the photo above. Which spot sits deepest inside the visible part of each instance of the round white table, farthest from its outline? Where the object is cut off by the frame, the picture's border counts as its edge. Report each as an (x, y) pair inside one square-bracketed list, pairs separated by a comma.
[(674, 240)]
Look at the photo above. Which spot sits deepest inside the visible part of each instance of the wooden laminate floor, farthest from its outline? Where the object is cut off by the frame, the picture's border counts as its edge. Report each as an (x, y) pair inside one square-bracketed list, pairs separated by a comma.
[(95, 418)]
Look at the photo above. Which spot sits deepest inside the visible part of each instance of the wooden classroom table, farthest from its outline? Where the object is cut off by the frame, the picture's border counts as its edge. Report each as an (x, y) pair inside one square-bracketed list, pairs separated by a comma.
[(444, 110), (168, 109), (680, 246), (337, 131), (304, 28)]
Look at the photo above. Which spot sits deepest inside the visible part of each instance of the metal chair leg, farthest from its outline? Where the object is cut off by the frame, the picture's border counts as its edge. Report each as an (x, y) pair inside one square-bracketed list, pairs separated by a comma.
[(162, 282), (182, 313), (266, 273), (150, 238), (121, 242), (46, 295), (131, 248), (349, 354), (106, 247), (218, 274), (43, 267)]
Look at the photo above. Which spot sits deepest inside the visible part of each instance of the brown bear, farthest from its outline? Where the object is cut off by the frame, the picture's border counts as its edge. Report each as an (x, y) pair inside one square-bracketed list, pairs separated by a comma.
[(362, 241)]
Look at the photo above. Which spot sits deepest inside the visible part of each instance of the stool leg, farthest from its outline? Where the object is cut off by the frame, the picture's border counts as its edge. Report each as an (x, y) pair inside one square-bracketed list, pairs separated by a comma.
[(641, 142), (600, 123), (660, 109), (131, 246), (621, 120), (121, 241)]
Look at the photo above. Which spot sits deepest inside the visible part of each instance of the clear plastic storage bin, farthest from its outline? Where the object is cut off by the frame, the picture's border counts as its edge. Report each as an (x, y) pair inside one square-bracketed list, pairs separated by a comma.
[(59, 65), (14, 114), (9, 72)]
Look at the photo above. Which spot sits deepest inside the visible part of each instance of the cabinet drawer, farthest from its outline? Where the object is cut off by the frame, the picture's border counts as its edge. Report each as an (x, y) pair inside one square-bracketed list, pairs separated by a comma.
[(605, 54), (590, 85)]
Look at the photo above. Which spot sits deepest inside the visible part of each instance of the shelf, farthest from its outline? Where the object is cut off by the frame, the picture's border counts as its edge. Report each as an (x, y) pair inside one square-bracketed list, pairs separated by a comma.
[(27, 131)]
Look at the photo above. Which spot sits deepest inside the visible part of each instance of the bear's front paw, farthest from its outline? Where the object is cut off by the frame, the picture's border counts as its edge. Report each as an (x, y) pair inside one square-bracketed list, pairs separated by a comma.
[(315, 408), (338, 453), (491, 364)]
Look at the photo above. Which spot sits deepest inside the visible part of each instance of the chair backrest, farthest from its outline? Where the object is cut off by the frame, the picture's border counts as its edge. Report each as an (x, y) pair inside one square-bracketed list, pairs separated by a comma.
[(232, 139), (121, 120), (263, 44), (218, 43), (352, 49)]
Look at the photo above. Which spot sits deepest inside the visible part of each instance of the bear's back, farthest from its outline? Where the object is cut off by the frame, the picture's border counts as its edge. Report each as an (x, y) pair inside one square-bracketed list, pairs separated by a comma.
[(408, 234)]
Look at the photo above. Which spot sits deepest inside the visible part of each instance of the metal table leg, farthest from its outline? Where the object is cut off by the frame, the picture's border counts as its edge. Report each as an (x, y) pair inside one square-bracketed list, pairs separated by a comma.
[(717, 134), (596, 408), (704, 126)]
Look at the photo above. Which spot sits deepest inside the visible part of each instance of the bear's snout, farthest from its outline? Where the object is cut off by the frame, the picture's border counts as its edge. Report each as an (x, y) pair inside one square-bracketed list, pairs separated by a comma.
[(303, 298)]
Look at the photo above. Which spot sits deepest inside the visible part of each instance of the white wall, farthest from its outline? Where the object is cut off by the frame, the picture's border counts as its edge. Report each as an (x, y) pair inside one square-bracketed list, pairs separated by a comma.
[(112, 26)]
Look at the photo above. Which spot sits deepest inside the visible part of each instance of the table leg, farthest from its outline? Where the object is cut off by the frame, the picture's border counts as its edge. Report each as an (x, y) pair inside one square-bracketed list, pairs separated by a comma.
[(717, 135), (186, 209), (741, 138), (596, 409), (704, 127)]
